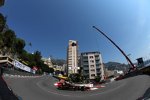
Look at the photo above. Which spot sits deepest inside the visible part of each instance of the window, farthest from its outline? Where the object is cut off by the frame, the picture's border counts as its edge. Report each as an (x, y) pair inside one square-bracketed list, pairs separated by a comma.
[(92, 61), (92, 66), (85, 62), (85, 66), (92, 75), (97, 61), (91, 56), (92, 70), (86, 71), (98, 70), (73, 44)]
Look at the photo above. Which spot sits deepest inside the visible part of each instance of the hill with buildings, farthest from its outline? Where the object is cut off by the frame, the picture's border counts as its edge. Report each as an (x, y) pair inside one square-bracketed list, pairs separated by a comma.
[(59, 62), (116, 66)]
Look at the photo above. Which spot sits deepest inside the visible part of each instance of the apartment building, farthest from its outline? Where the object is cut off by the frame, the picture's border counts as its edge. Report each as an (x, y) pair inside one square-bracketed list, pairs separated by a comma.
[(92, 65)]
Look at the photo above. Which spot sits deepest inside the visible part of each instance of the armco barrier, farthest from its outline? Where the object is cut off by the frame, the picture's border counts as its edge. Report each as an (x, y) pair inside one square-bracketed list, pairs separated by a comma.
[(16, 72)]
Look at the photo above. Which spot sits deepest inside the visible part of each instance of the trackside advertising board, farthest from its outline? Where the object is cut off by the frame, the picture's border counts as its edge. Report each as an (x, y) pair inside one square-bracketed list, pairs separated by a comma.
[(19, 65)]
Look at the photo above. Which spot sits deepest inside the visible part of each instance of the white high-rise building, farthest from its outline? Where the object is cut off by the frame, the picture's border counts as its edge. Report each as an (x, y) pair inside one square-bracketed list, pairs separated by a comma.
[(72, 57)]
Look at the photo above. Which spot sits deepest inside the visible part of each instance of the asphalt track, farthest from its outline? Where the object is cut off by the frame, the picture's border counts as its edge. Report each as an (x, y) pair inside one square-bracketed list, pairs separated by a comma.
[(42, 88)]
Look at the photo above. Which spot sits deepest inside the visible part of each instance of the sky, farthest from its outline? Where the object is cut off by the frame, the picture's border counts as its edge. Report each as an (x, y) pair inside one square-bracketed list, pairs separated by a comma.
[(50, 24)]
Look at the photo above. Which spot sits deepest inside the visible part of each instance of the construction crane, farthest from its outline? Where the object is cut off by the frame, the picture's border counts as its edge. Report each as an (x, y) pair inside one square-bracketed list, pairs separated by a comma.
[(127, 58)]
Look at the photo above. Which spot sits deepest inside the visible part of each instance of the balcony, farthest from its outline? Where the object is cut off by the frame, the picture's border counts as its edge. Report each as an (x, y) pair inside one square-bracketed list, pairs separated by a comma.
[(98, 74), (97, 62), (85, 60), (98, 67), (96, 58), (85, 63), (86, 68), (86, 72), (98, 71)]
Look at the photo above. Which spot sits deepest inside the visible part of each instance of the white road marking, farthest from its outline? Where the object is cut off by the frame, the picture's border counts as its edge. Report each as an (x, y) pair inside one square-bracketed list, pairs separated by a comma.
[(19, 76), (110, 90)]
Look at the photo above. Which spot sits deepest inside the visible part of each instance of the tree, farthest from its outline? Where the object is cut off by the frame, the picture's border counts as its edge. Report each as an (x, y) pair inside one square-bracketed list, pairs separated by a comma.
[(2, 2), (97, 78), (75, 78), (37, 56), (51, 70), (11, 45), (2, 22), (19, 45), (45, 68), (1, 41), (8, 40)]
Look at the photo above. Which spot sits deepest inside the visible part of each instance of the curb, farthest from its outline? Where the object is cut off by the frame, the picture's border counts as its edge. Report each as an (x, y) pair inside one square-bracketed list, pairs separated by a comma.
[(99, 86), (19, 76)]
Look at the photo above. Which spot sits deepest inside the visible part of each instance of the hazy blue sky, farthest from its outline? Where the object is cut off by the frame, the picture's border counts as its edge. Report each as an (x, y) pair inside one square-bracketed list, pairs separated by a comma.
[(50, 24)]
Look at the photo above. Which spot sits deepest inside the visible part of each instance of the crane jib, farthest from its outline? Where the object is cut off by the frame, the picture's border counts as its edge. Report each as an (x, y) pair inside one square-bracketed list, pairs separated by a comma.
[(132, 65)]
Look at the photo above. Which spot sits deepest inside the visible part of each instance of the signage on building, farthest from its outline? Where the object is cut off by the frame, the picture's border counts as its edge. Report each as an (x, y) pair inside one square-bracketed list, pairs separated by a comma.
[(19, 65)]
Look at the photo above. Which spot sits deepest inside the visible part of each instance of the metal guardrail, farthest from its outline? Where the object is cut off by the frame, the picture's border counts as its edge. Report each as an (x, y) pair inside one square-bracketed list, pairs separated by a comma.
[(16, 72)]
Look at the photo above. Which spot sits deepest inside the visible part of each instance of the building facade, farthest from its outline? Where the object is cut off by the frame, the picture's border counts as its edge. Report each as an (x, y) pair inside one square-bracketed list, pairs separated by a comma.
[(48, 62), (72, 57), (92, 65)]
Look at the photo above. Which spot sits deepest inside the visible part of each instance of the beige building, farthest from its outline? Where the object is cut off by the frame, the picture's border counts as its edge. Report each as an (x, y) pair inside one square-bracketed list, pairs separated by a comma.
[(48, 62), (109, 73), (72, 57), (92, 65)]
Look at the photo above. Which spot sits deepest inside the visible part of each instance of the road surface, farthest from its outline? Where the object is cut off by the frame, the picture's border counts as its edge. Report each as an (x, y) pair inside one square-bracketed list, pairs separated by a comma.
[(42, 88)]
